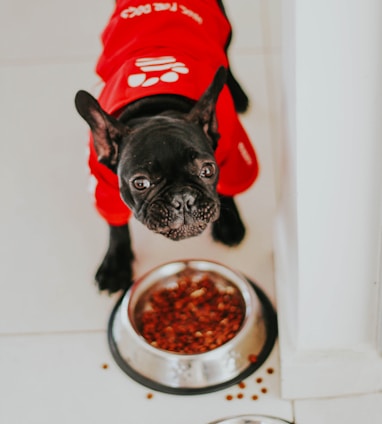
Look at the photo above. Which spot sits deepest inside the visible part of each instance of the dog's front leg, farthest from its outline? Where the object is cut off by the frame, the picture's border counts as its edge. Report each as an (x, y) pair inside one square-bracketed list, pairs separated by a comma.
[(115, 271), (240, 99), (229, 228)]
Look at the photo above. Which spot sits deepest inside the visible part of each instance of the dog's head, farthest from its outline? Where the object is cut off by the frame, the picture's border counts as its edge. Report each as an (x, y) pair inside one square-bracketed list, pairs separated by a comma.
[(165, 164)]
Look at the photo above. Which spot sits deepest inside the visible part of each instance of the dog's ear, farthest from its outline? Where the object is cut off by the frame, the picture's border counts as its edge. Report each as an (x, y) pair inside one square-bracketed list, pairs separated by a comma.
[(107, 131), (203, 113)]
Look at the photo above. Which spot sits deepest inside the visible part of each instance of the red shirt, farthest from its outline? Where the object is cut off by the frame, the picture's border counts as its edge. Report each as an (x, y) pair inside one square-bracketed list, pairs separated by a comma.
[(178, 52)]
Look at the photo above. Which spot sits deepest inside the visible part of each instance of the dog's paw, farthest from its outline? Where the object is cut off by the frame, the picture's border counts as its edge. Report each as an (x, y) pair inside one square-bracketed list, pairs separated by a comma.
[(115, 271), (229, 228)]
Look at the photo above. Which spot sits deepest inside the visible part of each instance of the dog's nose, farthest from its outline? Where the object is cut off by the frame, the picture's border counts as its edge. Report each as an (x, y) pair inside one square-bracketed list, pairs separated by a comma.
[(183, 201)]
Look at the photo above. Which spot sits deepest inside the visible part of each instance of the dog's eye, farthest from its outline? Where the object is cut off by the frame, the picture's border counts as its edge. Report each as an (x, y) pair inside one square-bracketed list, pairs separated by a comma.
[(208, 170), (141, 183)]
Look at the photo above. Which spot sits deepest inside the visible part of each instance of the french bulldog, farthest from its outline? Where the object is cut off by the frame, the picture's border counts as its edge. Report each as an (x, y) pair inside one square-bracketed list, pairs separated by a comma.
[(157, 128)]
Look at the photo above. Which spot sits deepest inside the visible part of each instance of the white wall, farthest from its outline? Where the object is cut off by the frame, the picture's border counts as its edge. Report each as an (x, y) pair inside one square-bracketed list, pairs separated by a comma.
[(328, 229)]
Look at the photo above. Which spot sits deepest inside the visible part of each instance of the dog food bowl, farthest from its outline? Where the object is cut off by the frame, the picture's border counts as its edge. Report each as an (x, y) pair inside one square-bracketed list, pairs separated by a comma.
[(251, 419), (191, 327)]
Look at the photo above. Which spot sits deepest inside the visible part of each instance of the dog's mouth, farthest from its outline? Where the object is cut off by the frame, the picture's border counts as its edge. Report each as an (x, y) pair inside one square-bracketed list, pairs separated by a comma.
[(181, 223), (183, 232)]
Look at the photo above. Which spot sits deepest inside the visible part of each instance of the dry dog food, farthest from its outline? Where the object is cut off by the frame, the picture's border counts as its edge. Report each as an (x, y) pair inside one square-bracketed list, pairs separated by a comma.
[(193, 317)]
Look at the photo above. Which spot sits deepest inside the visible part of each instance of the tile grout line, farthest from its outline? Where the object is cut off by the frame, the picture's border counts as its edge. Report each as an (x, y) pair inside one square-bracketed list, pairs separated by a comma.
[(270, 77), (50, 333), (293, 406), (41, 61), (272, 108)]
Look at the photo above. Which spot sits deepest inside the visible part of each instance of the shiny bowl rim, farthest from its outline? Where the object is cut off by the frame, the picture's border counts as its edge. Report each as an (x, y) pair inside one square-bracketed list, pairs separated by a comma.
[(267, 419)]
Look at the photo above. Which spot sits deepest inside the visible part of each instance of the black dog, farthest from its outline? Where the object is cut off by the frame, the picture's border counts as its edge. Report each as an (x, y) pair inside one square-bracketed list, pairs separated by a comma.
[(159, 147)]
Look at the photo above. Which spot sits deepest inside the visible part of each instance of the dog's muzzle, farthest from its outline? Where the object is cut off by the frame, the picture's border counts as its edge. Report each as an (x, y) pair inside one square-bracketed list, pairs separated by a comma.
[(181, 215)]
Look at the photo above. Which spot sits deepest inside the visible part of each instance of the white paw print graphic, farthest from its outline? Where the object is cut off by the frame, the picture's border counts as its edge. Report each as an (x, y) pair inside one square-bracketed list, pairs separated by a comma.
[(156, 69)]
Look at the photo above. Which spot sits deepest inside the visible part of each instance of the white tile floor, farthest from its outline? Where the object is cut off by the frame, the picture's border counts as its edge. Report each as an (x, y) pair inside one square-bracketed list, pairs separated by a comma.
[(52, 319)]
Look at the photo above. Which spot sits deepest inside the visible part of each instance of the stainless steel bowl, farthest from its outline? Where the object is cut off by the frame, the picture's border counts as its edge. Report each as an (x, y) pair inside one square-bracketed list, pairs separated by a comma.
[(251, 419), (192, 373)]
